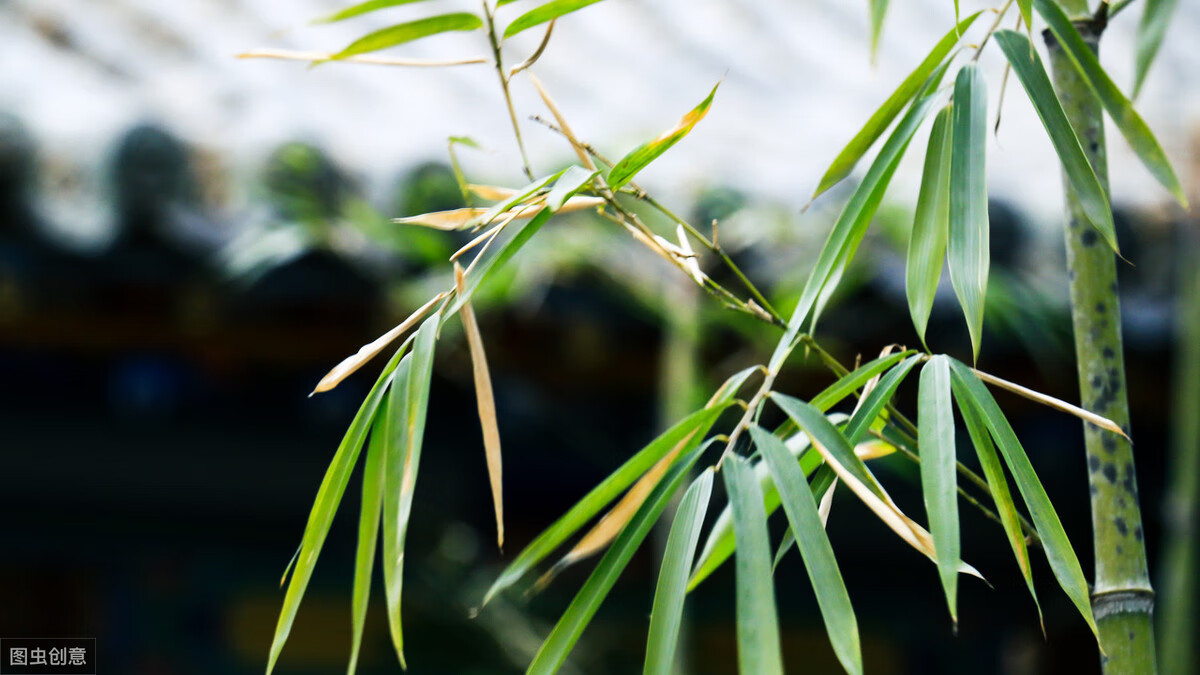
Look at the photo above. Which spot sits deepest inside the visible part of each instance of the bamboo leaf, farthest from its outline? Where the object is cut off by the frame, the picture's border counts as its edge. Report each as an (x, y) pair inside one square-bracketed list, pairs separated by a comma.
[(454, 219), (759, 651), (1026, 8), (543, 13), (694, 426), (628, 166), (852, 223), (852, 381), (325, 506), (931, 223), (572, 181), (823, 432), (800, 505), (405, 424), (369, 351), (486, 403), (520, 196), (1155, 18), (846, 160), (871, 405), (1051, 402), (1131, 125), (368, 535), (407, 32), (968, 245), (575, 619), (491, 258), (823, 482), (878, 12), (935, 420), (667, 614), (1058, 548), (998, 486), (1028, 66), (362, 8)]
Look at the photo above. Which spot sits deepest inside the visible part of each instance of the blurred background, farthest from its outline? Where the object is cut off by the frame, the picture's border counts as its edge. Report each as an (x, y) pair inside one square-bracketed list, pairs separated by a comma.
[(188, 242)]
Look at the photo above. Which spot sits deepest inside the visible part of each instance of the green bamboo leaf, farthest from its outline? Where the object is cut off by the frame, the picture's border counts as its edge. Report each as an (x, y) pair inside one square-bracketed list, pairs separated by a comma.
[(817, 426), (325, 506), (368, 535), (1131, 125), (496, 257), (665, 617), (543, 13), (822, 479), (362, 8), (854, 380), (759, 651), (407, 32), (860, 422), (1155, 18), (1059, 552), (575, 619), (628, 166), (572, 180), (519, 197), (998, 485), (931, 223), (405, 425), (720, 543), (878, 12), (939, 483), (968, 245), (1028, 66), (1026, 7), (846, 160), (852, 223), (800, 505), (694, 426)]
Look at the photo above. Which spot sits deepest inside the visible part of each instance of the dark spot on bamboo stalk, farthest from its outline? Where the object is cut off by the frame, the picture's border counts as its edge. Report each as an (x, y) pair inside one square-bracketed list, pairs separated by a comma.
[(1094, 147), (1113, 287), (1121, 503), (1073, 223), (1137, 533), (1071, 273), (1088, 237), (1110, 472), (1109, 353), (1093, 463), (1109, 442), (1093, 490), (1129, 486), (1132, 637), (1120, 551), (1100, 308), (1121, 526), (1097, 382)]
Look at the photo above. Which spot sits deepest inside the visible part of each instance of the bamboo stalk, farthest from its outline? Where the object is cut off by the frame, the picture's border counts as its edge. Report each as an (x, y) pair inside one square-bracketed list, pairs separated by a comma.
[(1177, 620), (1122, 598)]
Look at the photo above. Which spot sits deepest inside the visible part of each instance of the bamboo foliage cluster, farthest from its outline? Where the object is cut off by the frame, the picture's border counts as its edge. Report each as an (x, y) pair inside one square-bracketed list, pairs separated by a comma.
[(797, 465)]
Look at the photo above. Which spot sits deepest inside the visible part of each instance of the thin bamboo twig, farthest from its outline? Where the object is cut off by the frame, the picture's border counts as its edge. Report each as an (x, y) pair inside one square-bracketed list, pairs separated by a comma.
[(498, 62), (314, 57)]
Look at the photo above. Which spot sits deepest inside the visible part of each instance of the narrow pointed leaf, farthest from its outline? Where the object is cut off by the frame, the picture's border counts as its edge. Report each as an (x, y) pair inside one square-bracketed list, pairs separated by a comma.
[(968, 246), (325, 506), (628, 166), (543, 13), (493, 257), (405, 424), (486, 404), (935, 420), (573, 180), (759, 650), (1026, 8), (855, 379), (993, 472), (1128, 121), (362, 8), (800, 505), (873, 403), (846, 160), (667, 614), (1059, 552), (575, 619), (600, 496), (1029, 69), (824, 432), (878, 12), (1156, 16), (407, 32), (368, 534), (927, 244), (517, 197)]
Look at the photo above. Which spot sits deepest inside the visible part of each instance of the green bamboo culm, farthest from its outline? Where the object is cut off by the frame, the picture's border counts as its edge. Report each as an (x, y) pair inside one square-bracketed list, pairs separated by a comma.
[(1177, 621), (1122, 598)]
